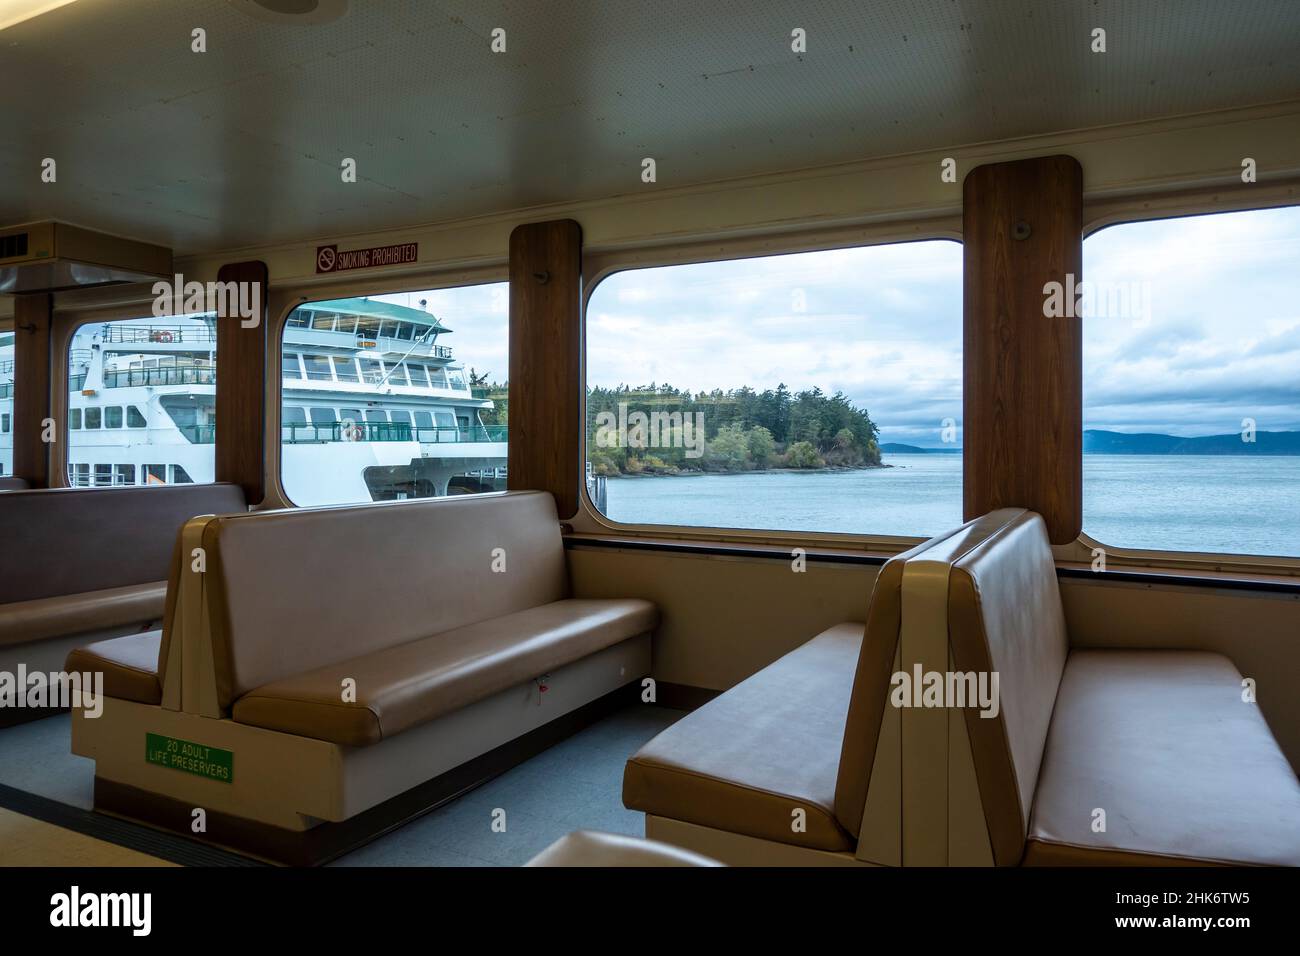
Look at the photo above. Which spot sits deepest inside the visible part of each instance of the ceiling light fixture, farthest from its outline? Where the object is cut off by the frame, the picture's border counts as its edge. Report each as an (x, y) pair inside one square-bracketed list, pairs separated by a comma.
[(16, 11), (292, 11)]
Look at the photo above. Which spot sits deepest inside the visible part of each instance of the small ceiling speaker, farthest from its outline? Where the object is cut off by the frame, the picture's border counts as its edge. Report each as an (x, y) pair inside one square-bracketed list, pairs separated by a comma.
[(292, 11)]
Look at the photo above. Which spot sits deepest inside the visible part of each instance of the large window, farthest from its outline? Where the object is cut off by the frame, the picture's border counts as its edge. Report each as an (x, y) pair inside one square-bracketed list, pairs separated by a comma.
[(142, 401), (402, 396), (816, 391), (1192, 384), (6, 399)]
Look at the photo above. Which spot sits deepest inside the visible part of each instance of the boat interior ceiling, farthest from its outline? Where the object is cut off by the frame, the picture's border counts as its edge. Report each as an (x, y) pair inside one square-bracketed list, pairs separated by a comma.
[(639, 433)]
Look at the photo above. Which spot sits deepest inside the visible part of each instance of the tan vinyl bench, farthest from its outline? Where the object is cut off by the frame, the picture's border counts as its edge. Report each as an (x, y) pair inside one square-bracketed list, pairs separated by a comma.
[(10, 483), (792, 765), (1163, 742), (370, 647), (81, 564)]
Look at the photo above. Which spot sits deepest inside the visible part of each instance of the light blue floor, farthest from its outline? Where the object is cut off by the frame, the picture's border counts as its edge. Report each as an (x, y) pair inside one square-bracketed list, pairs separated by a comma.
[(37, 757), (577, 784)]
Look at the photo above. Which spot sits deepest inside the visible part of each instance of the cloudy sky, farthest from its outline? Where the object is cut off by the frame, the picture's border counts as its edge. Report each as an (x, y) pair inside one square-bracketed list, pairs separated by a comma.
[(1202, 327)]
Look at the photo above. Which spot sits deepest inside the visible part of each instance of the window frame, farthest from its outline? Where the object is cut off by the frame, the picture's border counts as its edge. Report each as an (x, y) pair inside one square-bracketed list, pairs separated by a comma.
[(288, 296), (599, 267), (1182, 204)]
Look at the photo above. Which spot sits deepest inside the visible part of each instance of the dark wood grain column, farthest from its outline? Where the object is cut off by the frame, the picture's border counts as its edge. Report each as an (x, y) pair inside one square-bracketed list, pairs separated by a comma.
[(241, 387), (1023, 439), (545, 421)]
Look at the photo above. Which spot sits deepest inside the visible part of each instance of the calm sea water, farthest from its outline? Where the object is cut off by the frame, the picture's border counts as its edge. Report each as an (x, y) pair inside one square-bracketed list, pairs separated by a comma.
[(1176, 502)]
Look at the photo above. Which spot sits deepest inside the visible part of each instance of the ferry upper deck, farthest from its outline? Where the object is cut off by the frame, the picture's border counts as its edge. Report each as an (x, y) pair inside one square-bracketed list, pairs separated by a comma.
[(651, 434)]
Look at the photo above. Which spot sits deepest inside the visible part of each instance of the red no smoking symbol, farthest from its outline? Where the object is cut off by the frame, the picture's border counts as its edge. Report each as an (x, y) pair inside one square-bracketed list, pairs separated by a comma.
[(326, 257)]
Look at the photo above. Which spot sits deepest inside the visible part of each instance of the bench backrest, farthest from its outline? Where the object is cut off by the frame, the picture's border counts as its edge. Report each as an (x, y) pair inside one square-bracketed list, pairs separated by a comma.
[(10, 483), (1005, 616), (60, 541), (291, 591)]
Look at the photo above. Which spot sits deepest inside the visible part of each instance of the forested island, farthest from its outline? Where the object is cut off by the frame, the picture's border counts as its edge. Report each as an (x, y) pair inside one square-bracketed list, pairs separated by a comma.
[(725, 431), (662, 430)]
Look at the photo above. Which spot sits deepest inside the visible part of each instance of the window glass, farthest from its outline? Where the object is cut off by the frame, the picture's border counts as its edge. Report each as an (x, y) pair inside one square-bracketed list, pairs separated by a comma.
[(318, 367), (180, 476), (346, 369), (397, 374), (322, 416), (290, 363), (402, 340), (817, 391), (123, 372), (1191, 383)]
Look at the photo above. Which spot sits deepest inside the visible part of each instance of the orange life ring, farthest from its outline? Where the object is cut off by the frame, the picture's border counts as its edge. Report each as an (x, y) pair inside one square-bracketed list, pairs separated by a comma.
[(354, 433), (164, 336)]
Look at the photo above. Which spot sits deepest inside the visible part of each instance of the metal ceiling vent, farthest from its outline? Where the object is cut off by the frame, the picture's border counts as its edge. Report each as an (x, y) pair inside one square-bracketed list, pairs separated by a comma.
[(54, 256), (293, 11)]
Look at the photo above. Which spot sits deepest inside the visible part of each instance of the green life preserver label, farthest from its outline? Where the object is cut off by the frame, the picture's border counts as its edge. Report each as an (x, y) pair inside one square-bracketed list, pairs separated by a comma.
[(209, 762)]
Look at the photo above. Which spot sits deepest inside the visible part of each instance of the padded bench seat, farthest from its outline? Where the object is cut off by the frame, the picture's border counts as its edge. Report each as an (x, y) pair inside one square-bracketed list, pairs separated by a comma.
[(23, 621), (1186, 771), (129, 665), (767, 747), (407, 685)]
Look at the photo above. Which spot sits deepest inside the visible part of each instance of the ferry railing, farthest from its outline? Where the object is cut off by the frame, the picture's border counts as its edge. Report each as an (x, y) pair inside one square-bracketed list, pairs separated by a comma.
[(163, 335), (299, 433), (165, 375)]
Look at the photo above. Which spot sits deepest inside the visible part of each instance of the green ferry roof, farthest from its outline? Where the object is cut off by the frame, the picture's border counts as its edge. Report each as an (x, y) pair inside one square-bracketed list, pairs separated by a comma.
[(376, 310)]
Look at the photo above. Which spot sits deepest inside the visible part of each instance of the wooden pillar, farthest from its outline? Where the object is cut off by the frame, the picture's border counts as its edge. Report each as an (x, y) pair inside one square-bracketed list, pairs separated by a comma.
[(545, 422), (1023, 438), (32, 365), (241, 385)]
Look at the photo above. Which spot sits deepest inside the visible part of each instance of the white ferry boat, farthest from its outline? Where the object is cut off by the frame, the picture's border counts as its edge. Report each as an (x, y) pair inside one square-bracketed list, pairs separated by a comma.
[(374, 407)]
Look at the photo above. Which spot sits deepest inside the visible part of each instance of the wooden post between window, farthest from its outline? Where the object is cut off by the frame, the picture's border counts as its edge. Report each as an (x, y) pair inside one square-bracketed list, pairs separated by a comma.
[(32, 345), (241, 382), (1023, 399)]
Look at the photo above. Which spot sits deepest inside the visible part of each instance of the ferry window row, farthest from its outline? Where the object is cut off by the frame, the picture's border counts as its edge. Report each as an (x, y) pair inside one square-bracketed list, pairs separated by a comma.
[(110, 416), (371, 371), (86, 475)]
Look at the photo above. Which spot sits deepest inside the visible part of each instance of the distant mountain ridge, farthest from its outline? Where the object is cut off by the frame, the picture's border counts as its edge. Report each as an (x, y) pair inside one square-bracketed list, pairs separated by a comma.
[(895, 448), (1098, 442)]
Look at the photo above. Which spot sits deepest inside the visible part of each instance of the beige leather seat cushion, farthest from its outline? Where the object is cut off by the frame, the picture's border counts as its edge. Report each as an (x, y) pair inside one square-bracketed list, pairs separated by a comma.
[(589, 848), (770, 745), (129, 665), (406, 685), (1187, 772), (81, 613)]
